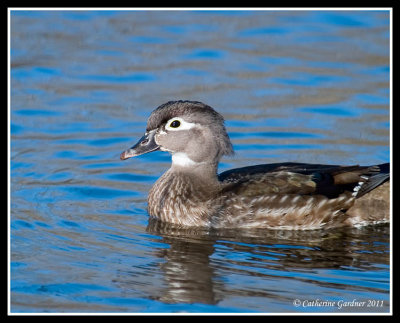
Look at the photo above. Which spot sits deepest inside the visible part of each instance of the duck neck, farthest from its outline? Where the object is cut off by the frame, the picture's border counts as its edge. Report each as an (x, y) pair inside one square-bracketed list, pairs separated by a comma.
[(204, 171), (184, 194)]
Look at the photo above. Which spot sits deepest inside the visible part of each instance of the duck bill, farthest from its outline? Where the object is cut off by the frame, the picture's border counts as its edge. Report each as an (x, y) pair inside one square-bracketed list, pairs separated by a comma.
[(145, 145)]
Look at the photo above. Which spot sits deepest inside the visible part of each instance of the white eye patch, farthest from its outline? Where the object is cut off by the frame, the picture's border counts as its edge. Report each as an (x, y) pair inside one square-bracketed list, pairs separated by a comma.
[(176, 124)]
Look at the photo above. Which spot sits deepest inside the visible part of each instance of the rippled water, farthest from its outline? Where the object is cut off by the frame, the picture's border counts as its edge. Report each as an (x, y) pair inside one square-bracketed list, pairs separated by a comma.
[(306, 86)]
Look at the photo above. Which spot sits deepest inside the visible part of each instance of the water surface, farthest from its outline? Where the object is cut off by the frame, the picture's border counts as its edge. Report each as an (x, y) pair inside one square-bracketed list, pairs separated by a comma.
[(300, 86)]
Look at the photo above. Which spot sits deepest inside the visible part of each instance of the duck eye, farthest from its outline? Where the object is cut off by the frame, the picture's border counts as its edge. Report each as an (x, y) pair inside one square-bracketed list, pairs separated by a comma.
[(175, 124)]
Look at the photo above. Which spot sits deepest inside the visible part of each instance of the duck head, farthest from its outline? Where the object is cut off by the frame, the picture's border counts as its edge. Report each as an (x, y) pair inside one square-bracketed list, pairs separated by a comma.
[(193, 132)]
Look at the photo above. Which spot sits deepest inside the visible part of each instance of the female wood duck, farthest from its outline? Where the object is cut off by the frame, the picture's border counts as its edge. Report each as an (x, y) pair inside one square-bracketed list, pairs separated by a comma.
[(276, 196)]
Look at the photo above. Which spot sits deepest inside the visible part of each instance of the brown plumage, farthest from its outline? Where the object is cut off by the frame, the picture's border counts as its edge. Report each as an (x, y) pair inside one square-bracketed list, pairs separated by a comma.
[(277, 196)]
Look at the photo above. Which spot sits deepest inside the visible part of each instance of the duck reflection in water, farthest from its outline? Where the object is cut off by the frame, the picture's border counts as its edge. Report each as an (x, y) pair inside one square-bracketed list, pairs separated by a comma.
[(197, 258)]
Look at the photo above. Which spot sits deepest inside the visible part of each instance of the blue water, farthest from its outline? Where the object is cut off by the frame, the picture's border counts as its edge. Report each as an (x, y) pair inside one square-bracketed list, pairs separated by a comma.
[(306, 86)]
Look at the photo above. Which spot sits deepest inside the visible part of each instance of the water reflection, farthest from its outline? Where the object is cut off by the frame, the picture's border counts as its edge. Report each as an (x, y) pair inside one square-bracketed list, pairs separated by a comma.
[(196, 258)]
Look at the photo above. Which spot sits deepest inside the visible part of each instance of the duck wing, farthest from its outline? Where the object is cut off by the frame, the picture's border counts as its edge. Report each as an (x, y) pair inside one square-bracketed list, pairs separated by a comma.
[(304, 179)]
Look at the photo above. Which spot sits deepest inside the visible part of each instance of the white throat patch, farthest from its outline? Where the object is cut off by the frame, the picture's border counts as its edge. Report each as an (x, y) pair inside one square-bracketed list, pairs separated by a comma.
[(182, 159)]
